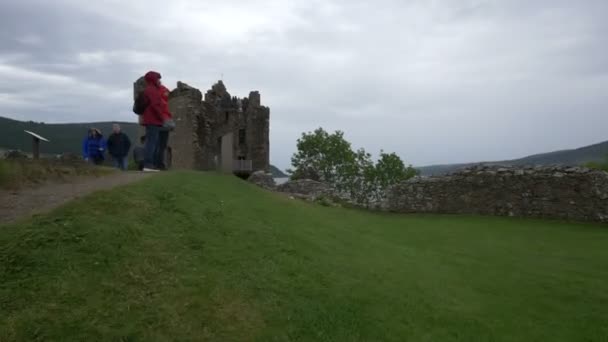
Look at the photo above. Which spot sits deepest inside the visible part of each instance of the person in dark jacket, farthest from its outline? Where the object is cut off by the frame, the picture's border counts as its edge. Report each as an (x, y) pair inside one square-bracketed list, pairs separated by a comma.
[(118, 147), (94, 147), (139, 153), (152, 119)]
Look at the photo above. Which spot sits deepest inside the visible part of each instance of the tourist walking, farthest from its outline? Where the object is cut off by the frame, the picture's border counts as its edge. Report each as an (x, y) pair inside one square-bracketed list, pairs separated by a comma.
[(94, 147), (119, 145)]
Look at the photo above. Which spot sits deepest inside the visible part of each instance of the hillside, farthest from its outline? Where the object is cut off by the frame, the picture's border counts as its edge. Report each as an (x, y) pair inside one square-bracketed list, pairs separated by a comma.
[(194, 256), (579, 156), (277, 173), (595, 152), (63, 137)]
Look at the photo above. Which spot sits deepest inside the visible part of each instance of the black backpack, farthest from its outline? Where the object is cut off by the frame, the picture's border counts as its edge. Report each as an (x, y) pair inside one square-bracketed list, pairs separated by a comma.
[(140, 104)]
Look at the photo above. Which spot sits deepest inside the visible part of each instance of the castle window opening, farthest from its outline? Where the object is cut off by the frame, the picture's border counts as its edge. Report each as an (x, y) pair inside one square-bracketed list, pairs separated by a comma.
[(227, 116), (242, 136)]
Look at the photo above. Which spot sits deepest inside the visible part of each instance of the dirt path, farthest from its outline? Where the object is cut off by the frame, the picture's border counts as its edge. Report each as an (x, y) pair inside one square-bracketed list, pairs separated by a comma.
[(22, 203)]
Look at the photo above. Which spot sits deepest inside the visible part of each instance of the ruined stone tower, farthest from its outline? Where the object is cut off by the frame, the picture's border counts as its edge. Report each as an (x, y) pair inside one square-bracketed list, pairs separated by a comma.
[(219, 131)]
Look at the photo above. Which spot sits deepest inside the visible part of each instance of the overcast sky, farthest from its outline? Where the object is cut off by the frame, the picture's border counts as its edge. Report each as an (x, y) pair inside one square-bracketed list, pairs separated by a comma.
[(435, 81)]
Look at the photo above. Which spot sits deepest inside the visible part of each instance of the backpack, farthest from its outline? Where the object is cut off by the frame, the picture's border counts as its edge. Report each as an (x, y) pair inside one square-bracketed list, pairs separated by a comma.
[(140, 104)]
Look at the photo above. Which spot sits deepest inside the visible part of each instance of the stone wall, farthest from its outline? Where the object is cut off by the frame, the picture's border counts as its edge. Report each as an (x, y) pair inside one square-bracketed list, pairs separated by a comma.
[(306, 187), (234, 115), (548, 192), (184, 104), (257, 123)]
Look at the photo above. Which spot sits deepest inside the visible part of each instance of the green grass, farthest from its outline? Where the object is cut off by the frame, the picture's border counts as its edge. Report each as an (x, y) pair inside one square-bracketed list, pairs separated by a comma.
[(191, 256), (18, 173), (598, 165)]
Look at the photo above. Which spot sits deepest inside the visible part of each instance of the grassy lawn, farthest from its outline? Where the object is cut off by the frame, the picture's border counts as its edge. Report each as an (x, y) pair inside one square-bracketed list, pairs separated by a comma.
[(192, 256)]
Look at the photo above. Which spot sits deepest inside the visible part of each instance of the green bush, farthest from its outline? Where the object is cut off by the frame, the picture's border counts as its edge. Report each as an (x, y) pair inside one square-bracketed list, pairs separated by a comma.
[(8, 173), (132, 165), (598, 165), (326, 201), (330, 158)]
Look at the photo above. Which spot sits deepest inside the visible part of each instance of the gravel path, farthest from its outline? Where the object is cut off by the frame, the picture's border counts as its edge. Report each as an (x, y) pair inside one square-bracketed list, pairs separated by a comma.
[(15, 205)]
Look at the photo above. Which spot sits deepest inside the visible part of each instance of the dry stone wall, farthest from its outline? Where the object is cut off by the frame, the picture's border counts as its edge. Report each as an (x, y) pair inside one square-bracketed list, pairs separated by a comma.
[(306, 187), (570, 193)]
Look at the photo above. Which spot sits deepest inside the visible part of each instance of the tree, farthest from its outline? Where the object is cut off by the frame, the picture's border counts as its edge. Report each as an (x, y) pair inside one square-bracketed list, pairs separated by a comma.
[(329, 158), (388, 171), (322, 156), (357, 182)]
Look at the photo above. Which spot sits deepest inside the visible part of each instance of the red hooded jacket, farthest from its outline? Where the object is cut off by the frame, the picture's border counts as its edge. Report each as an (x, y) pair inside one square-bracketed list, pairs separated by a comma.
[(153, 115)]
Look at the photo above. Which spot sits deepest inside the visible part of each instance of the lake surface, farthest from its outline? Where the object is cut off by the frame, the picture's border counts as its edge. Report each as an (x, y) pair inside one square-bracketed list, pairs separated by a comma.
[(280, 181)]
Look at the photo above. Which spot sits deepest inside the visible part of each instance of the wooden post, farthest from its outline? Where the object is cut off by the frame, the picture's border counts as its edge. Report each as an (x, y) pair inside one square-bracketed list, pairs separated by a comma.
[(36, 143), (36, 148)]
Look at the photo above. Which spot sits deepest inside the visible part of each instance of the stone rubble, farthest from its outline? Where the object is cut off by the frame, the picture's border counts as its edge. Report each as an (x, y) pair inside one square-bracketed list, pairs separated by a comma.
[(263, 179), (308, 188)]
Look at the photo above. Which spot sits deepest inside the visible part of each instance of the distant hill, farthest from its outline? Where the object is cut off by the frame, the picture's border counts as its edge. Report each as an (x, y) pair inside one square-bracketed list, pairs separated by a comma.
[(64, 137), (277, 173), (582, 155)]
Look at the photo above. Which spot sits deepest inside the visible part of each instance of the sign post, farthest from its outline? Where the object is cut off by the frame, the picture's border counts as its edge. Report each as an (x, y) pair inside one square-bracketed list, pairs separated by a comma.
[(36, 144)]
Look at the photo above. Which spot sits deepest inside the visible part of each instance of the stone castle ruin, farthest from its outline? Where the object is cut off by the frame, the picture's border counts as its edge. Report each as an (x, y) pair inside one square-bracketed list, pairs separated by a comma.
[(219, 131)]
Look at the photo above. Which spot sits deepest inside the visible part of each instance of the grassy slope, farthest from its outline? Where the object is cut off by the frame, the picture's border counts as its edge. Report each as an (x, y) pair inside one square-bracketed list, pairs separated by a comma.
[(18, 173), (190, 256)]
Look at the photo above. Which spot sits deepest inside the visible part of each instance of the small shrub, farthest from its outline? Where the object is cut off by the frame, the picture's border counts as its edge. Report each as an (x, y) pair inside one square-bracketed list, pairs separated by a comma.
[(324, 201), (132, 165), (8, 174), (598, 165)]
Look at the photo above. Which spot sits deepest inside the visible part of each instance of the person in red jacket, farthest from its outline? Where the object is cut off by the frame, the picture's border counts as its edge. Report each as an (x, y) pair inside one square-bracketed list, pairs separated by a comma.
[(152, 118), (163, 137)]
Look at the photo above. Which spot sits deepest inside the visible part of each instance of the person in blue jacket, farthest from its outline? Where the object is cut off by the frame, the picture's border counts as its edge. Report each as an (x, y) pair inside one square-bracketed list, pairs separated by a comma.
[(94, 147)]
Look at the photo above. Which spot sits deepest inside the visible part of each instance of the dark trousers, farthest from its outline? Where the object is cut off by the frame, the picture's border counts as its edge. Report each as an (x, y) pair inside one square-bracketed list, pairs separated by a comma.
[(97, 160), (152, 139), (121, 163), (163, 141)]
